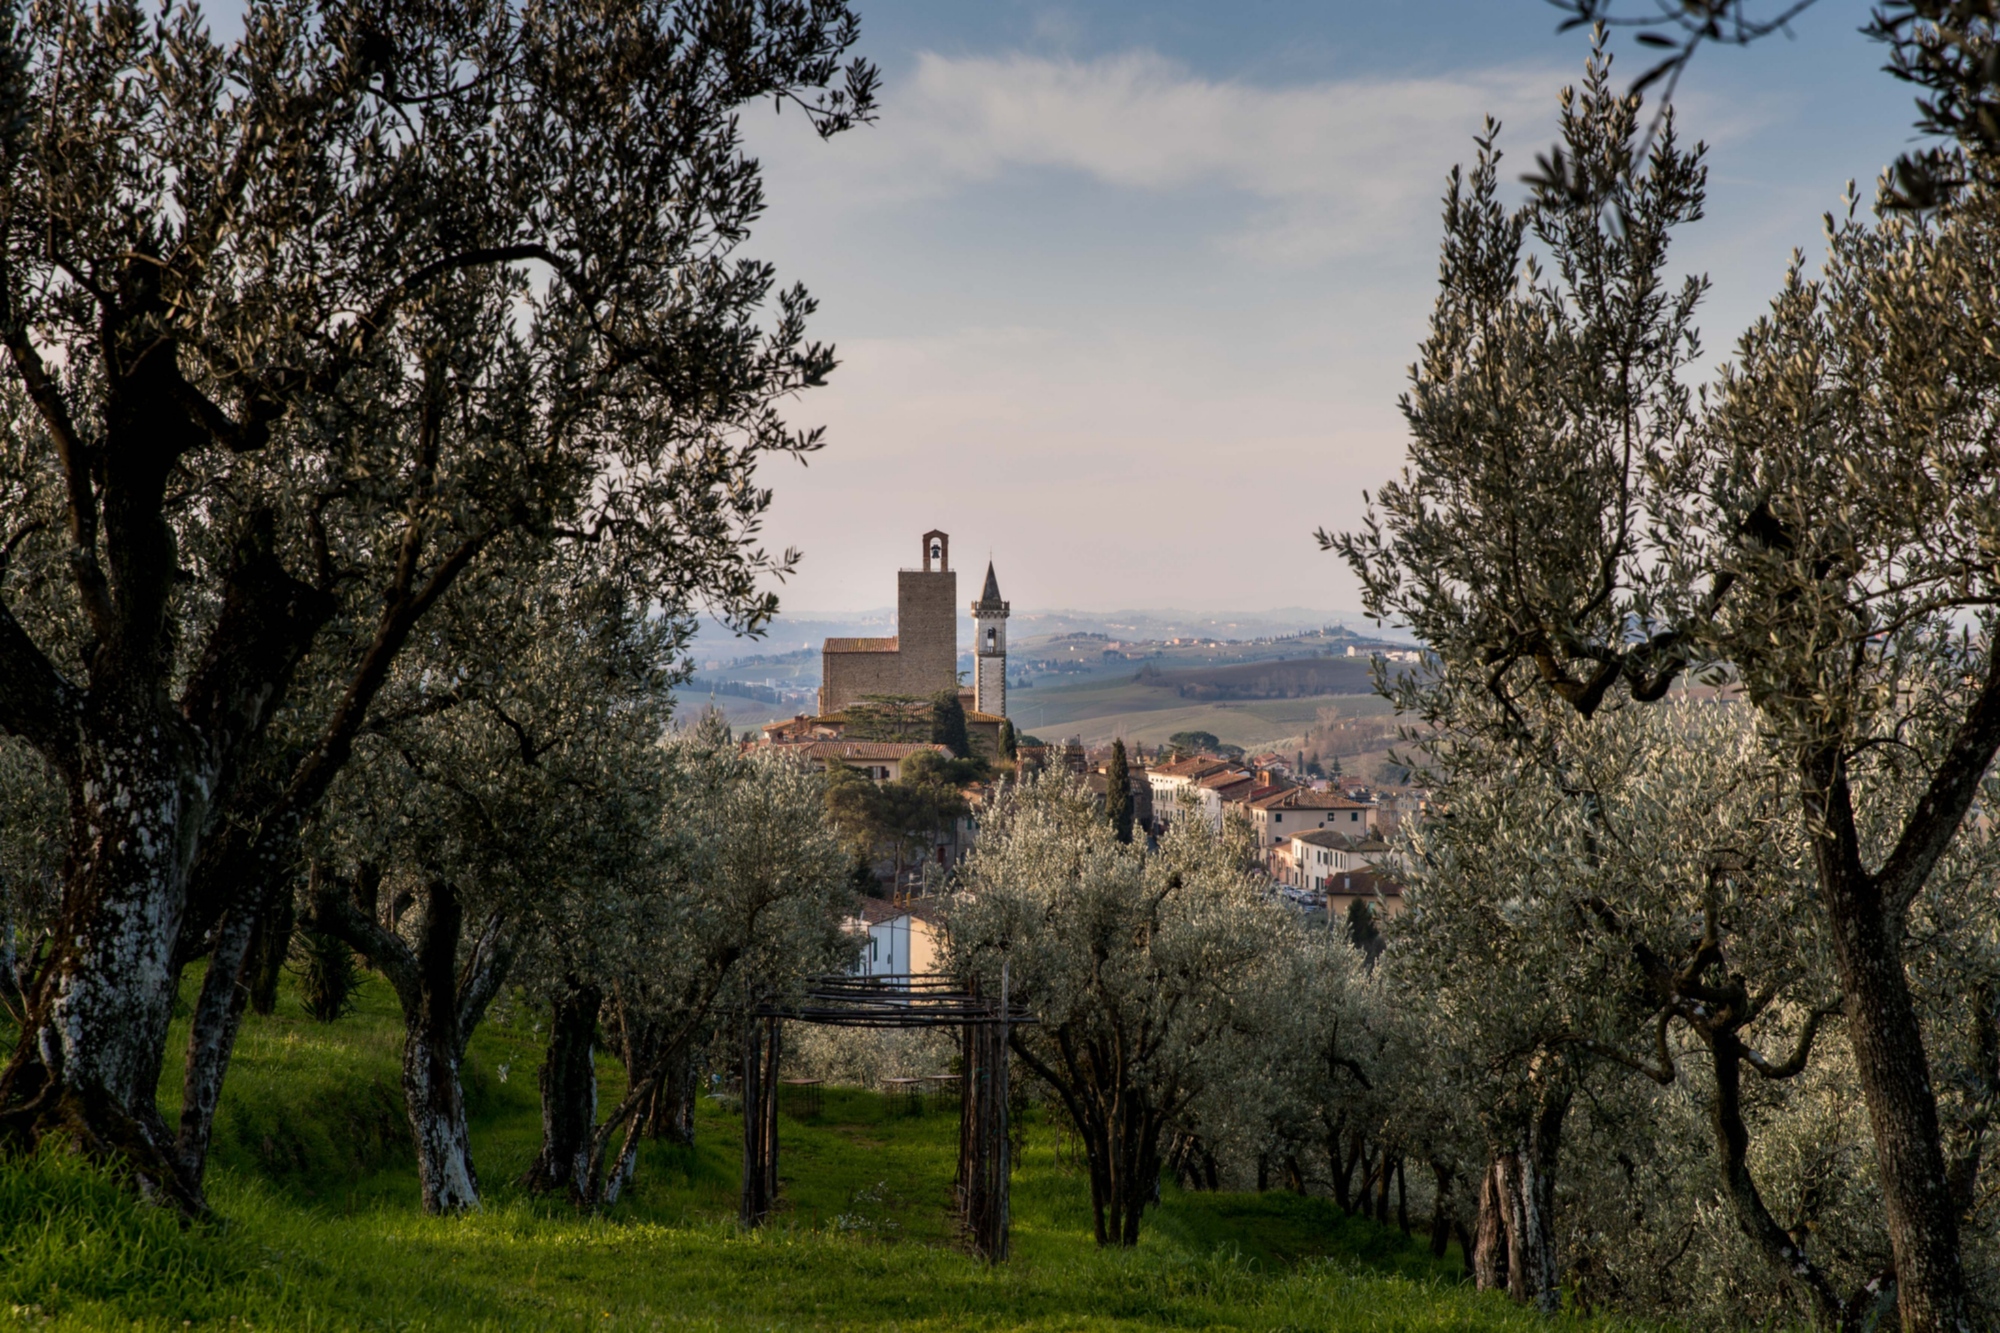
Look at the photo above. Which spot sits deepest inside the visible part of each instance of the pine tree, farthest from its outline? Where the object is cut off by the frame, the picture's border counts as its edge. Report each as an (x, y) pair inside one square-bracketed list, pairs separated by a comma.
[(1118, 792)]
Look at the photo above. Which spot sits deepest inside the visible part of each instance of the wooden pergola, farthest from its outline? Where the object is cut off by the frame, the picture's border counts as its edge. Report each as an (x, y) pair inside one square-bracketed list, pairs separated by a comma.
[(984, 1158)]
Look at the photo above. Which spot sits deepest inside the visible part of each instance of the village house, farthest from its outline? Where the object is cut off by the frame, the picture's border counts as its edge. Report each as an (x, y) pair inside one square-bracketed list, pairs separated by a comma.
[(896, 940), (1173, 781), (1209, 796), (1310, 860), (1281, 813), (1383, 895), (879, 761)]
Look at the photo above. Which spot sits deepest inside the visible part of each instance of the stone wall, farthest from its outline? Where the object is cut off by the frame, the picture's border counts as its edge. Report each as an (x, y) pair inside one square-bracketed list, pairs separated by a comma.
[(927, 629), (846, 677), (990, 685)]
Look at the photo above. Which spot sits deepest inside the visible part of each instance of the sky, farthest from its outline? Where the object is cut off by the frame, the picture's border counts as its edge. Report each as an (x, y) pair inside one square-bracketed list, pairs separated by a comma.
[(1124, 293)]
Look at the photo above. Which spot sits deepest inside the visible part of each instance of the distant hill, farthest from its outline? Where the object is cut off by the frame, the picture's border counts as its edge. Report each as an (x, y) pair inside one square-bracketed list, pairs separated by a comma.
[(1173, 624), (716, 642), (1293, 678)]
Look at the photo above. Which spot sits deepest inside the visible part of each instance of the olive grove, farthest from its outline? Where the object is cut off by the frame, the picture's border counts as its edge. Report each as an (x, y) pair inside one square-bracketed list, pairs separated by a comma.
[(303, 328), (1579, 535)]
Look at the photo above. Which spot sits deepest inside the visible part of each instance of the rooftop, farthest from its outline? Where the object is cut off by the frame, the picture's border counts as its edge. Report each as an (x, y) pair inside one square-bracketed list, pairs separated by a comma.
[(875, 911), (1326, 837), (879, 751), (887, 645), (1352, 883), (1194, 766), (1305, 798)]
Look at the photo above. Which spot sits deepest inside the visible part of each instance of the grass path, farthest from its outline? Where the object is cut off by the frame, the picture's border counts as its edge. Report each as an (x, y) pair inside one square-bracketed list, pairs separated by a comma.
[(318, 1227)]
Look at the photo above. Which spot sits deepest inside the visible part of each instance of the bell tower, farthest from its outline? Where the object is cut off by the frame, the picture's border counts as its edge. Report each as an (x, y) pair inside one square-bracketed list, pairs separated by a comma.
[(927, 621), (989, 649)]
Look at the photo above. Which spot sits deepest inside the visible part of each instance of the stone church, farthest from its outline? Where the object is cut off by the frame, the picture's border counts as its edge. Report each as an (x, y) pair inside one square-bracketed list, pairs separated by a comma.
[(921, 659)]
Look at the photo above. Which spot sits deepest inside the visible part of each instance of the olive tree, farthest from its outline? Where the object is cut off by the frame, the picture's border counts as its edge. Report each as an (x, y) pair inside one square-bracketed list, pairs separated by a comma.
[(300, 328), (740, 892), (482, 824), (1574, 527), (1134, 963)]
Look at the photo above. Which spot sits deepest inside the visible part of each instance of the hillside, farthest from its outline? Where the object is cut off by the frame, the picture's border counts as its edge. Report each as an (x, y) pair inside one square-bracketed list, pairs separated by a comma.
[(1294, 678), (318, 1227), (1148, 710)]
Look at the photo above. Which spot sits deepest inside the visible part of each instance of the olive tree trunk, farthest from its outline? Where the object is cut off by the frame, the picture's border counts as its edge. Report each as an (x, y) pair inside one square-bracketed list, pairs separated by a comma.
[(443, 1001), (569, 1094)]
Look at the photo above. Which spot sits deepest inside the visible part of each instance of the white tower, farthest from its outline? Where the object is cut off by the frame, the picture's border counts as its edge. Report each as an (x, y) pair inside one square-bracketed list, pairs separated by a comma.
[(989, 649)]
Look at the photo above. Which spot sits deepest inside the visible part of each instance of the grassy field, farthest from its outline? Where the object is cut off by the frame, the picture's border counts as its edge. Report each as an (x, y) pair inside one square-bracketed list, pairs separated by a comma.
[(317, 1227), (742, 714), (1101, 708)]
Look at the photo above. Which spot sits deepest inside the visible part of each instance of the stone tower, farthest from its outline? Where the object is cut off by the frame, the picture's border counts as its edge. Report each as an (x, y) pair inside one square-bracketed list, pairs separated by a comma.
[(922, 659), (989, 649), (927, 620)]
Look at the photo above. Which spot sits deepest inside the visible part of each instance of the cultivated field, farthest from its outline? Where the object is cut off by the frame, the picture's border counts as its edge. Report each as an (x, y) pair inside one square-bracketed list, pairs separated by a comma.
[(1102, 708)]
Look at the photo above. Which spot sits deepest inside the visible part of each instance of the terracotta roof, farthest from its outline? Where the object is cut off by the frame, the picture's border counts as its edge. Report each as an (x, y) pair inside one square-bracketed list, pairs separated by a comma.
[(1326, 837), (971, 715), (864, 750), (860, 645), (875, 911), (1353, 883), (1305, 798), (1193, 766)]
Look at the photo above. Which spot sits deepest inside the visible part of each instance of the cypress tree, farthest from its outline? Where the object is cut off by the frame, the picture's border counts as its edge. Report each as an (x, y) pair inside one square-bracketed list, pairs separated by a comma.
[(1118, 792), (1362, 931), (948, 724), (1009, 750)]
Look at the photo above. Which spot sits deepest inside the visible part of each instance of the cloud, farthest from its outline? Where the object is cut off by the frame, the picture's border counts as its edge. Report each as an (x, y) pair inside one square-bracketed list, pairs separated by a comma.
[(1310, 172)]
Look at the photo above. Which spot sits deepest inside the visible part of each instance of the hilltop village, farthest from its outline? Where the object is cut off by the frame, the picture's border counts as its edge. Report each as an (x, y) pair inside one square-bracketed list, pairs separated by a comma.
[(920, 752)]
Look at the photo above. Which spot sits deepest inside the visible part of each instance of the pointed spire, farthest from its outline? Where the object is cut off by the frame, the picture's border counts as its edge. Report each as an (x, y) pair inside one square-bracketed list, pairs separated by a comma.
[(991, 595)]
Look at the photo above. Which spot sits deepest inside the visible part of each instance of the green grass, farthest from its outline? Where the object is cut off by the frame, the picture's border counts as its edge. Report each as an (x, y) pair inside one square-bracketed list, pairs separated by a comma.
[(317, 1227)]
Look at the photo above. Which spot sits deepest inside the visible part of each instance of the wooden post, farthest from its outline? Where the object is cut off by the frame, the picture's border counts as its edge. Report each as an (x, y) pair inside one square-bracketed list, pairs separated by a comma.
[(761, 1039), (984, 1154), (1003, 1143)]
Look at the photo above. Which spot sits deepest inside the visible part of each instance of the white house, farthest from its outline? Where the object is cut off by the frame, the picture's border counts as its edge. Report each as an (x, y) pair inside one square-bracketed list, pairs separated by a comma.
[(896, 940), (1314, 859), (1172, 783)]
